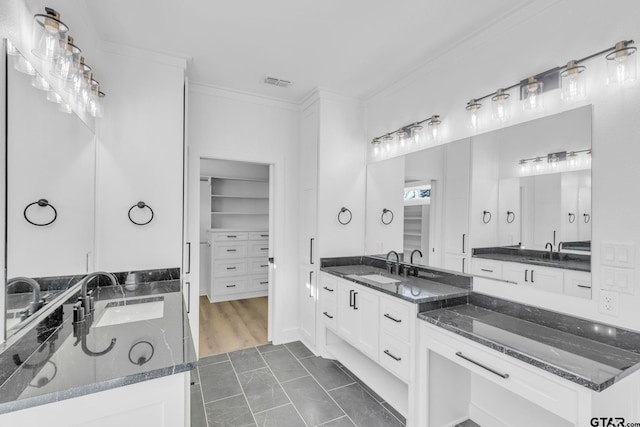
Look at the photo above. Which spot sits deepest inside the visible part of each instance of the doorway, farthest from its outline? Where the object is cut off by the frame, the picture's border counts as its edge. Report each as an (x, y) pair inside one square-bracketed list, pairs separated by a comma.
[(235, 240)]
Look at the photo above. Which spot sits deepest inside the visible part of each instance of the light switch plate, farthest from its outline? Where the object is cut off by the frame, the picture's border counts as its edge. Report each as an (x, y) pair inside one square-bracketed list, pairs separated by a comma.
[(616, 254), (618, 279)]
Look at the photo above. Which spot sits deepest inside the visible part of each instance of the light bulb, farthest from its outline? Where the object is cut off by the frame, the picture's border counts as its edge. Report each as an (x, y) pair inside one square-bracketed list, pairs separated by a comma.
[(532, 95), (500, 106), (524, 167), (573, 160), (473, 110), (538, 165), (572, 82)]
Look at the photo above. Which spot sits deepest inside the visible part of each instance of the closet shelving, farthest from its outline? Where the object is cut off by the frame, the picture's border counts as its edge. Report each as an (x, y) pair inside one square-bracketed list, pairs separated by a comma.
[(239, 202)]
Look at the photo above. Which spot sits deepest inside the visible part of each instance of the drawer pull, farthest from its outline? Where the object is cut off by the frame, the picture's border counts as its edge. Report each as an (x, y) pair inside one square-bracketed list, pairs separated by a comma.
[(328, 315), (231, 236), (487, 270), (327, 289), (264, 283), (231, 286), (264, 249), (231, 268), (231, 250), (493, 371), (264, 235), (396, 358), (392, 318), (584, 286), (264, 265)]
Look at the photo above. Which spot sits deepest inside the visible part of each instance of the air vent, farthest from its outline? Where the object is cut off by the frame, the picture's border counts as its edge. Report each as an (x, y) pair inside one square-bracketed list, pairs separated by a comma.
[(277, 82)]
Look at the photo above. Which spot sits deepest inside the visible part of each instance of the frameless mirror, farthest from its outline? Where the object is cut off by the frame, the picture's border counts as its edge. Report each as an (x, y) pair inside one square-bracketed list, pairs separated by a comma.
[(50, 198)]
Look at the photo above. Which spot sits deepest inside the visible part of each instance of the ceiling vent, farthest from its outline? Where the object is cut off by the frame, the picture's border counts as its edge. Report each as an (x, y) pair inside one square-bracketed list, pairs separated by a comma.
[(277, 82)]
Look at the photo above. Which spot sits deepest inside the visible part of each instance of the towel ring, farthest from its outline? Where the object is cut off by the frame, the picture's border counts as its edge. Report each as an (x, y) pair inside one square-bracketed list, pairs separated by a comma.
[(42, 203), (586, 218), (511, 216), (384, 212), (140, 205), (572, 218), (484, 217), (343, 210), (141, 360)]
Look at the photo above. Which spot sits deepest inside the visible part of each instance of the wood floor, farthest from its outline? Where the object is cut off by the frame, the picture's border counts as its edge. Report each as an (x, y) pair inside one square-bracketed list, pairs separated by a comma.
[(232, 325)]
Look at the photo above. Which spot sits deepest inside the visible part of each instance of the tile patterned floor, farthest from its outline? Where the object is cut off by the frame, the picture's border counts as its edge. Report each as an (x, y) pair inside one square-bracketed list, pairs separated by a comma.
[(283, 386)]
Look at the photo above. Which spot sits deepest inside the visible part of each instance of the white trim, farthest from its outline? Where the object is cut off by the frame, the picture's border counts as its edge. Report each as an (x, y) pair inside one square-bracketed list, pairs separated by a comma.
[(212, 90), (165, 58)]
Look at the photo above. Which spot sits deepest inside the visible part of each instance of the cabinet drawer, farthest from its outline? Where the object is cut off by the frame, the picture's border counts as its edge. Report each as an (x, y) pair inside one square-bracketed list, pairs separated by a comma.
[(230, 236), (259, 235), (394, 319), (259, 248), (486, 267), (229, 268), (230, 250), (259, 283), (577, 284), (231, 285), (529, 382), (328, 312), (258, 266), (395, 355)]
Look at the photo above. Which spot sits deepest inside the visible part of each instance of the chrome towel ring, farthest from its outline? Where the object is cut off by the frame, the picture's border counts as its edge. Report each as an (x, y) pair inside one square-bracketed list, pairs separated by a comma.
[(386, 211), (342, 211), (572, 218), (511, 216), (140, 205), (586, 218), (42, 203), (486, 217)]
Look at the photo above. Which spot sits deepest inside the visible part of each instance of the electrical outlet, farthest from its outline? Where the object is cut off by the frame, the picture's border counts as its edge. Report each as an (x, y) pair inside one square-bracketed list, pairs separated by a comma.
[(608, 303)]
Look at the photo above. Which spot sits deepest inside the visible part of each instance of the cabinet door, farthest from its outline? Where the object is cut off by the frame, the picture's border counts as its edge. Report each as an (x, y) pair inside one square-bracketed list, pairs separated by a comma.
[(307, 308), (546, 279), (514, 272), (348, 319), (456, 205), (366, 306), (456, 262)]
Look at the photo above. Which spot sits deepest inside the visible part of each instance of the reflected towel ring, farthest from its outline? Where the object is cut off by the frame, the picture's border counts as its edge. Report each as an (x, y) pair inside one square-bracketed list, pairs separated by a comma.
[(141, 359), (42, 203), (572, 218), (140, 205), (484, 217), (586, 218), (43, 381), (511, 216), (343, 210), (384, 212)]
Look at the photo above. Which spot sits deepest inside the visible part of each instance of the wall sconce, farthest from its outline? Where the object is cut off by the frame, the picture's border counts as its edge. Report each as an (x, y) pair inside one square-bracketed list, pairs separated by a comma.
[(49, 35), (621, 65), (473, 111), (532, 95), (402, 135), (556, 162)]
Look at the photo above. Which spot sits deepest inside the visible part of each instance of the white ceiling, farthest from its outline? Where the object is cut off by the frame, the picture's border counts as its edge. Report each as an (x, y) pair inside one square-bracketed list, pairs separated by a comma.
[(352, 47)]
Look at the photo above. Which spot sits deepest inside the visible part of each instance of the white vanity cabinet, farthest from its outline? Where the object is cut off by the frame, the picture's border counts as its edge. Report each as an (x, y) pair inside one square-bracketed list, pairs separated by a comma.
[(358, 317)]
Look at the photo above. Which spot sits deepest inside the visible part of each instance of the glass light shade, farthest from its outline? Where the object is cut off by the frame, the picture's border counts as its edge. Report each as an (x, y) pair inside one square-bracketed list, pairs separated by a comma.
[(433, 126), (525, 167), (402, 137), (376, 146), (554, 164), (39, 82), (538, 165), (74, 85), (49, 35), (573, 160), (67, 64), (388, 143), (572, 82), (532, 95), (65, 108), (52, 96), (587, 159), (473, 112), (94, 107), (416, 133), (24, 66), (500, 107), (622, 64), (12, 50)]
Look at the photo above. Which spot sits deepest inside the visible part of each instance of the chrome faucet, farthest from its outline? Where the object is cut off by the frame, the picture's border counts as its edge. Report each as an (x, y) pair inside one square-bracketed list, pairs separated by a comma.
[(36, 303), (413, 253), (550, 246), (86, 299), (389, 265)]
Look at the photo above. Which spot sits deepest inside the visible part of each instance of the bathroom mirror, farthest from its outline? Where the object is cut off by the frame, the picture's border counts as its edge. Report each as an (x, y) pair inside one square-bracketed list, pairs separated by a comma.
[(50, 198), (481, 174)]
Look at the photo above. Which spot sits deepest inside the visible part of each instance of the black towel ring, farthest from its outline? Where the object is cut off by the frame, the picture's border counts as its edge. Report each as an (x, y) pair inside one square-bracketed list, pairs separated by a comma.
[(42, 203), (511, 216), (384, 212), (572, 218), (484, 217), (587, 218), (140, 205), (343, 210), (141, 360)]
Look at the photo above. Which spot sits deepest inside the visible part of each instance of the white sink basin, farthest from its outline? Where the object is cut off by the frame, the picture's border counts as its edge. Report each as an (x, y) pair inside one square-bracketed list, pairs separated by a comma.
[(379, 279), (130, 313)]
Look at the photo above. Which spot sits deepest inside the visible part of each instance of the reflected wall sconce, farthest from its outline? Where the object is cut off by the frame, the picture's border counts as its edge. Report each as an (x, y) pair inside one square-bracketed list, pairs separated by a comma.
[(556, 162)]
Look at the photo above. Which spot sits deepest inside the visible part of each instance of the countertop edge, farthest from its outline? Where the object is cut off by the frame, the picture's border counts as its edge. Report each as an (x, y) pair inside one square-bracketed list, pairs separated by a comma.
[(539, 264)]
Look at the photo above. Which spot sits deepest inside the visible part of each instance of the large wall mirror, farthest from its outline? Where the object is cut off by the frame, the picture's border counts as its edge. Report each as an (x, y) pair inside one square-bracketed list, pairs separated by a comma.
[(521, 194), (49, 194)]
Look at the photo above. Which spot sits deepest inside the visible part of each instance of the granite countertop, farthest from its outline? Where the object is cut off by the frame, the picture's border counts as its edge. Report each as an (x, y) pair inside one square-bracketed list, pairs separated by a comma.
[(72, 360), (413, 289), (591, 354), (565, 261)]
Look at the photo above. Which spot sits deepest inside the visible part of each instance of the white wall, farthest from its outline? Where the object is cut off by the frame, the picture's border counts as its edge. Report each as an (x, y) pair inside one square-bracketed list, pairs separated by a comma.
[(233, 126), (538, 37)]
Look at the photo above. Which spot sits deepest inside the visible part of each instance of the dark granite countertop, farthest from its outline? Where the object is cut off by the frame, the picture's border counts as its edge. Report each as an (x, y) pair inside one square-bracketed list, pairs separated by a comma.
[(58, 359), (565, 261), (413, 289), (591, 354)]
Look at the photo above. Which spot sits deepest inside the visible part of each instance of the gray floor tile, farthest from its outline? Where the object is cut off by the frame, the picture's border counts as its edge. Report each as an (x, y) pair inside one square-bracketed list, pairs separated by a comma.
[(209, 360), (362, 408), (397, 414), (218, 381), (197, 408), (231, 412), (284, 416), (262, 390), (268, 348), (340, 422), (363, 385), (284, 365), (298, 349), (195, 378), (326, 372), (467, 423), (313, 403), (246, 360)]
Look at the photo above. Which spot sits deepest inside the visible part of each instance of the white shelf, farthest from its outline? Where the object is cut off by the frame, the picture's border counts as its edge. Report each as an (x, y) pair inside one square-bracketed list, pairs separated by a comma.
[(413, 218), (237, 178), (413, 234), (239, 213), (235, 196)]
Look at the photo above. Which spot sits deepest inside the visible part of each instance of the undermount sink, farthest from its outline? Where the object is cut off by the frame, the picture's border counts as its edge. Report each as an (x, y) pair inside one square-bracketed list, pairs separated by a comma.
[(379, 279), (136, 312)]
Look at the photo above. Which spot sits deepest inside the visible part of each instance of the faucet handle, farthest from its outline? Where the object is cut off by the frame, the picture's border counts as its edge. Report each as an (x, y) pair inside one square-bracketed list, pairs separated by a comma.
[(78, 312)]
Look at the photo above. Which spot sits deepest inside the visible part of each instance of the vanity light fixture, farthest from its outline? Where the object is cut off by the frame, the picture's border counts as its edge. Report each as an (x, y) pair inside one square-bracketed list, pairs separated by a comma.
[(532, 95), (572, 82), (473, 111), (413, 131), (555, 162), (621, 63)]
